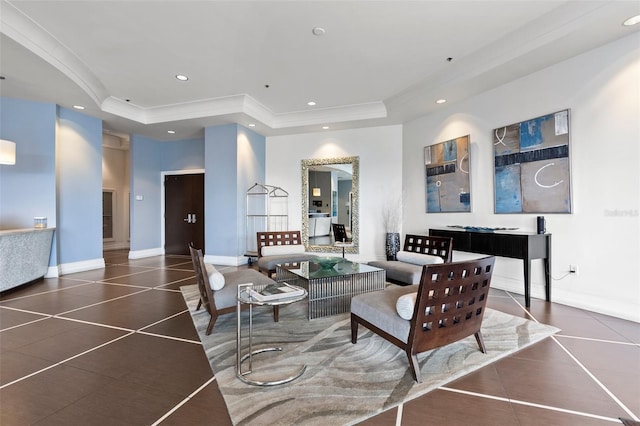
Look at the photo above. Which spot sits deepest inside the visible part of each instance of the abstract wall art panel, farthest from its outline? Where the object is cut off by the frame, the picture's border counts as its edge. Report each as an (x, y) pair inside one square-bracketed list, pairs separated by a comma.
[(532, 172), (447, 176)]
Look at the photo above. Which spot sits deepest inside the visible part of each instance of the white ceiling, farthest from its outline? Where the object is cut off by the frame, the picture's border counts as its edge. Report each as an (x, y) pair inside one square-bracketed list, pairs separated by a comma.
[(379, 62)]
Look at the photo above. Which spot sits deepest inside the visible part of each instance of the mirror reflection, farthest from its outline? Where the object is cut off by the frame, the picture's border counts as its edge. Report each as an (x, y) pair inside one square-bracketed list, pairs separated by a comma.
[(330, 204)]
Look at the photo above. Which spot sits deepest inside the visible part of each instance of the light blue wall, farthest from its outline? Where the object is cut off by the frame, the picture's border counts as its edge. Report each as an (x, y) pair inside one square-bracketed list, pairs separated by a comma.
[(235, 160), (79, 190), (220, 183), (149, 158), (28, 188), (185, 154), (146, 161)]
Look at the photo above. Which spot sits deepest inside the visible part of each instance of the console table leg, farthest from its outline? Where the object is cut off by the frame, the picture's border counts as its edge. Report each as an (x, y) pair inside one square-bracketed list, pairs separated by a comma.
[(527, 283), (547, 279)]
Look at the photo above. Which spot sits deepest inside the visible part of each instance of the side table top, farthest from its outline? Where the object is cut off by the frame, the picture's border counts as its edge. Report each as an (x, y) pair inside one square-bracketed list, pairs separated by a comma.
[(244, 296)]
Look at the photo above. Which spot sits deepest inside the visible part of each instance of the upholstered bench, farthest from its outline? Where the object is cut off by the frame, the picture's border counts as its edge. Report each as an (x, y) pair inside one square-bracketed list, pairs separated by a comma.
[(277, 247), (418, 250)]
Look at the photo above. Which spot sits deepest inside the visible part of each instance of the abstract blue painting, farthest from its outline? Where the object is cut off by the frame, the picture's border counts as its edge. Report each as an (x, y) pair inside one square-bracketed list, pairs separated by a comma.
[(532, 167), (448, 187)]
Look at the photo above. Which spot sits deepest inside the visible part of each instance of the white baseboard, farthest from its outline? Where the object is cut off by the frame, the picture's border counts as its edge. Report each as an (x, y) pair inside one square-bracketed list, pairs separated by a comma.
[(52, 272), (139, 254), (85, 265)]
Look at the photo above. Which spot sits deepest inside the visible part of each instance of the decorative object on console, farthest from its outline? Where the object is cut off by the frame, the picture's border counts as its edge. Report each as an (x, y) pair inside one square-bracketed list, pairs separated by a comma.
[(447, 167), (532, 171), (541, 225)]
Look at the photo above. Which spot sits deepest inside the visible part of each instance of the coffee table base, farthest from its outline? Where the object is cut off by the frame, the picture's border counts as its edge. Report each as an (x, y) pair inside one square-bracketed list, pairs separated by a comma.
[(331, 295)]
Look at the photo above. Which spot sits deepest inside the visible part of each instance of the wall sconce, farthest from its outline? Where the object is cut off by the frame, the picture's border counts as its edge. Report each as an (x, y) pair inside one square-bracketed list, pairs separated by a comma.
[(7, 152), (316, 192)]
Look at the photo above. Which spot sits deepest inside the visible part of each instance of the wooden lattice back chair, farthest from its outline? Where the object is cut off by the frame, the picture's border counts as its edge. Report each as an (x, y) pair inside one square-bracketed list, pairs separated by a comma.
[(223, 301), (292, 250), (204, 288), (426, 244), (450, 304), (340, 233), (277, 238)]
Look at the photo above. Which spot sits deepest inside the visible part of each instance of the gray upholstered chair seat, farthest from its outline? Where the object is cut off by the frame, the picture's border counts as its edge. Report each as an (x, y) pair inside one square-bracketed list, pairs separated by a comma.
[(379, 308), (268, 263), (400, 271)]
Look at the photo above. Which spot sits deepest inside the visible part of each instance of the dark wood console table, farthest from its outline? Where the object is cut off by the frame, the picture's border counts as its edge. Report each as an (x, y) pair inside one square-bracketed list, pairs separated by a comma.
[(525, 246)]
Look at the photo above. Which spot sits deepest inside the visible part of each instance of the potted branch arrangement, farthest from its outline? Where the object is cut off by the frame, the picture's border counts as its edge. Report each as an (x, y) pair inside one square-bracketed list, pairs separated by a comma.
[(391, 214)]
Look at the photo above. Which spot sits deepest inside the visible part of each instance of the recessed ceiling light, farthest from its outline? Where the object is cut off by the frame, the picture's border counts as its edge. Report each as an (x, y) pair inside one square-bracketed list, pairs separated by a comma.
[(632, 21), (78, 107), (318, 31), (252, 125), (311, 103), (171, 132), (325, 127), (441, 101), (182, 77)]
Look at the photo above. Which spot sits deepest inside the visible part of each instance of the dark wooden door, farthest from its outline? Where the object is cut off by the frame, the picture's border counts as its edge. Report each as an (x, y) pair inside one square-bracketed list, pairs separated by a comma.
[(184, 212)]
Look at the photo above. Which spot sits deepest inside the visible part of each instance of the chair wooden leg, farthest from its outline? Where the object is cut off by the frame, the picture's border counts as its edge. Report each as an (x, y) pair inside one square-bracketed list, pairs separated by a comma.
[(415, 367), (480, 341), (354, 330), (276, 313), (199, 304), (212, 322)]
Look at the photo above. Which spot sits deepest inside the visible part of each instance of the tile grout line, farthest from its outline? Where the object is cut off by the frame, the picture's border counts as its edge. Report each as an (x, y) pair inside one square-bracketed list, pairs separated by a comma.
[(590, 339), (530, 404), (595, 379), (65, 360), (184, 401), (585, 369)]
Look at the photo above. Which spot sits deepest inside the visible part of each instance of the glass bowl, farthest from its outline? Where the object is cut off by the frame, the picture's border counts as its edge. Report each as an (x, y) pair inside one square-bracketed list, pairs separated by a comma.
[(326, 262)]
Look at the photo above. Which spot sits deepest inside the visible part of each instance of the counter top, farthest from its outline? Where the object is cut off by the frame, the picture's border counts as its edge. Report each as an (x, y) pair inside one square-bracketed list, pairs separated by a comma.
[(23, 230)]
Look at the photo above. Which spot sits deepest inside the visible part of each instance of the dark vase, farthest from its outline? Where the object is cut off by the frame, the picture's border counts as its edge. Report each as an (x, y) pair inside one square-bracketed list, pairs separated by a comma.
[(392, 245)]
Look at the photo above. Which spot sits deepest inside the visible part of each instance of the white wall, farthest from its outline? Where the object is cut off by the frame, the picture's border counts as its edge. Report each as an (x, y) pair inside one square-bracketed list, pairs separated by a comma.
[(379, 149), (601, 236)]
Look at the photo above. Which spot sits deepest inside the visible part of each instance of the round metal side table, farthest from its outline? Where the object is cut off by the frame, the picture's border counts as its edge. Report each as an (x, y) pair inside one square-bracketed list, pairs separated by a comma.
[(244, 297)]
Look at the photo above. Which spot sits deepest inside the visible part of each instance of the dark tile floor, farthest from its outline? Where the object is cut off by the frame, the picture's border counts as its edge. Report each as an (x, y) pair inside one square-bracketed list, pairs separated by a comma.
[(117, 347)]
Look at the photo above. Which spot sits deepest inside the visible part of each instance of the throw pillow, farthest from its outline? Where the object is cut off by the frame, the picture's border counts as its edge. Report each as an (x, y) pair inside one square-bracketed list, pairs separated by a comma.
[(418, 258), (216, 279), (282, 249), (405, 305)]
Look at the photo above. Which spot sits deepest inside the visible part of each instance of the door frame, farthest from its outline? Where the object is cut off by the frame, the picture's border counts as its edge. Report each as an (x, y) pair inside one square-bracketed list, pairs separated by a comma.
[(163, 201)]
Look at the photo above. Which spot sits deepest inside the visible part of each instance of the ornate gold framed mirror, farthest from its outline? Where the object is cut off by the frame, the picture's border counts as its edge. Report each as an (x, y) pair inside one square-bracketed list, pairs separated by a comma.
[(330, 194)]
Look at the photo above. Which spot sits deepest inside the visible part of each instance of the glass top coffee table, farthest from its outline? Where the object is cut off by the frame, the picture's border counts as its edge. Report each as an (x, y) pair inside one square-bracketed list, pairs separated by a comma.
[(331, 288)]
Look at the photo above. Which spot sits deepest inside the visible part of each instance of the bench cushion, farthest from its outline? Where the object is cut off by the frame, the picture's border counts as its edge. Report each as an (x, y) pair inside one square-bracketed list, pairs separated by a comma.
[(278, 250), (418, 258), (268, 263), (379, 308), (400, 271)]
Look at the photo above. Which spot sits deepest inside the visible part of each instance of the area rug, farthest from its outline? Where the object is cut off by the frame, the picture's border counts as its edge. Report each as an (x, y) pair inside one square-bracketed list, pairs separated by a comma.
[(343, 383)]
